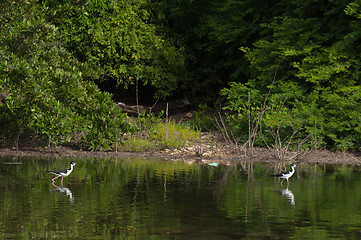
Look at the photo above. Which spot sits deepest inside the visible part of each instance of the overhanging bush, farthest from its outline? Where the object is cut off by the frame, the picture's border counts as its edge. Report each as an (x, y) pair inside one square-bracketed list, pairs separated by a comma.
[(44, 90)]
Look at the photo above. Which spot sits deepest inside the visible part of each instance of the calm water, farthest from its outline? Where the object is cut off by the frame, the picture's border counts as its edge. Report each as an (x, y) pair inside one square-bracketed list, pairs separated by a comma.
[(154, 199)]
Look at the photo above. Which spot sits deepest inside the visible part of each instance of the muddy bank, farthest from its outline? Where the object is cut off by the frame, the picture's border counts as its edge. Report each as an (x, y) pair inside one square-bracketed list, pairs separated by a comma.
[(211, 148)]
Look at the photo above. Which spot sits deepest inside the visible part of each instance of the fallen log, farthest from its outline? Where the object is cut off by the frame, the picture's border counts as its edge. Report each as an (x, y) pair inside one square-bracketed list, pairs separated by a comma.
[(133, 111)]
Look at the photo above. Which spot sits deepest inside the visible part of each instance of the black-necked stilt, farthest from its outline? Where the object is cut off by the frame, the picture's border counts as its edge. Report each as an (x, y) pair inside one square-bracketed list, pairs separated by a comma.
[(286, 175), (63, 173)]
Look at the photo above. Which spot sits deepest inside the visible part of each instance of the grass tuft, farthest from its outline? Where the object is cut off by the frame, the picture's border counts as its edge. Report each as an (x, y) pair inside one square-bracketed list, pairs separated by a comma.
[(162, 135)]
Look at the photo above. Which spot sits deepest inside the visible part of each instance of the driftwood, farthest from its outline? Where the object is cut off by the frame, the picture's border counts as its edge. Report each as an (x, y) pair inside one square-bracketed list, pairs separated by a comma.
[(173, 106), (132, 110)]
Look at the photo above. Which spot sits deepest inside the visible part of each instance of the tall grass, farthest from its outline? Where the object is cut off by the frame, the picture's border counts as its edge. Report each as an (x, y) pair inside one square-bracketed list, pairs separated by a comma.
[(162, 135)]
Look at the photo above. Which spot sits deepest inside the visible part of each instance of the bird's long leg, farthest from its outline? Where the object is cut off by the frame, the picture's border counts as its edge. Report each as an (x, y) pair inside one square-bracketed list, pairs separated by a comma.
[(61, 181), (287, 183), (55, 178), (54, 185)]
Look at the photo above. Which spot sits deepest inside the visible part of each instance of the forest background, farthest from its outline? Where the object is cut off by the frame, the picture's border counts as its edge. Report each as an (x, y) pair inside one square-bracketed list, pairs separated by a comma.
[(281, 74)]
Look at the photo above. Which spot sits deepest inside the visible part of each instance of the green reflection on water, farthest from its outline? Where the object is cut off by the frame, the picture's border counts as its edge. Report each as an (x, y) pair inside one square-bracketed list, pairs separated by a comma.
[(139, 198)]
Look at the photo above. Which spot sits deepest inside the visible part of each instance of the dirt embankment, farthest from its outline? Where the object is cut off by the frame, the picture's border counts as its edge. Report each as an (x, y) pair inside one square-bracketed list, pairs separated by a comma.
[(211, 148)]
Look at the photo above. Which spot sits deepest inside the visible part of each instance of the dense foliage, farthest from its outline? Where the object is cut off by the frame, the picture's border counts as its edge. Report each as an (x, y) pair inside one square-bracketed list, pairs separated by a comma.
[(43, 88), (119, 42), (283, 68), (315, 56), (213, 31), (300, 56)]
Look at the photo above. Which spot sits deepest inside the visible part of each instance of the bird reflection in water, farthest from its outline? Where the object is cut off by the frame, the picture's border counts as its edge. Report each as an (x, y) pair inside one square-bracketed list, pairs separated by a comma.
[(64, 190), (289, 195)]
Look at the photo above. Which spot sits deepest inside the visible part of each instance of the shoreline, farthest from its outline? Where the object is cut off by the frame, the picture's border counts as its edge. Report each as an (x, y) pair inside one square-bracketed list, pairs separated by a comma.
[(210, 148), (184, 154)]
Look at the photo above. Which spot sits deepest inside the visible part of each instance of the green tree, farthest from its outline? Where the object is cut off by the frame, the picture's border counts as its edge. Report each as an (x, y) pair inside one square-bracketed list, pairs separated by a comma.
[(213, 31), (313, 49), (119, 41), (42, 87)]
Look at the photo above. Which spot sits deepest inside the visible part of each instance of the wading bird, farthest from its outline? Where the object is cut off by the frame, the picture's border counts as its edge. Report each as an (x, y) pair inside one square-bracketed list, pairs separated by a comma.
[(286, 175), (63, 173)]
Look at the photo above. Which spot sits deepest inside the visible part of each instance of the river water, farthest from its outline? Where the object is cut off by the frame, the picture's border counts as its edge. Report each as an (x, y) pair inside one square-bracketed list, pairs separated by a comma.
[(140, 198)]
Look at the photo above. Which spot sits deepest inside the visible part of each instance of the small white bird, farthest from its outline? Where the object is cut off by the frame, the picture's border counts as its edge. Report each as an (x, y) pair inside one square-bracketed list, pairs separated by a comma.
[(63, 173), (286, 175), (215, 164)]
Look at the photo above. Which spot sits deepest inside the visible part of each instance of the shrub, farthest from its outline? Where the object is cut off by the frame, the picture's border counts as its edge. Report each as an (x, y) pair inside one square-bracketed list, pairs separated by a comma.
[(44, 90), (160, 135), (172, 134)]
